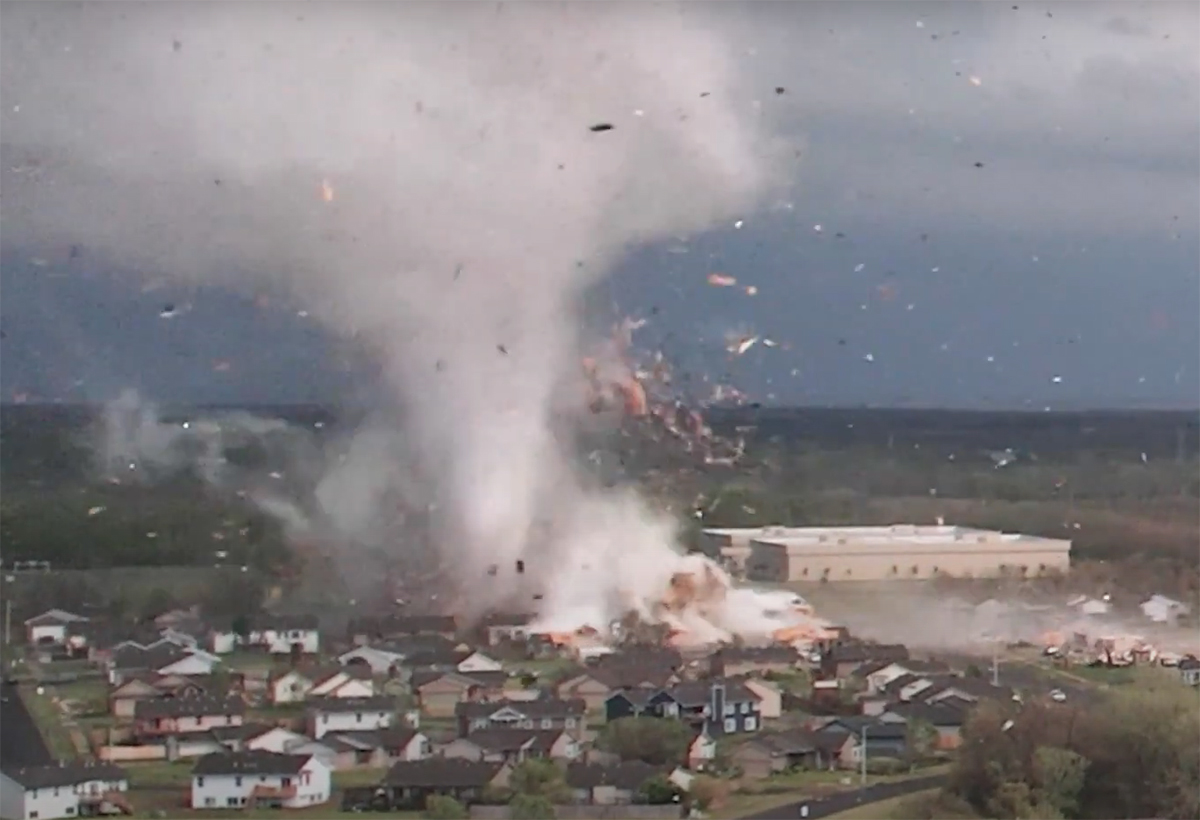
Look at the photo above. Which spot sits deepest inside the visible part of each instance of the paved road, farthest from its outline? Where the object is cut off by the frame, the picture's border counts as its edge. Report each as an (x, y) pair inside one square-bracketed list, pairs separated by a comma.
[(848, 800), (21, 743)]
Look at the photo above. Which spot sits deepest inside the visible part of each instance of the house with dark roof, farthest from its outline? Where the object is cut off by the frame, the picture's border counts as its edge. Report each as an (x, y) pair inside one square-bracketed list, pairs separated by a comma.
[(746, 660), (300, 683), (612, 785), (63, 790), (857, 735), (766, 754), (409, 784), (720, 706), (163, 657), (370, 629), (946, 719), (545, 713), (50, 627), (842, 660), (285, 634), (190, 715), (594, 682), (496, 745), (252, 780), (501, 627)]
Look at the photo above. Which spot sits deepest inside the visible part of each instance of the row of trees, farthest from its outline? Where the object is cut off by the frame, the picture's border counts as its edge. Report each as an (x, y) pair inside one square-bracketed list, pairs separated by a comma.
[(1137, 754)]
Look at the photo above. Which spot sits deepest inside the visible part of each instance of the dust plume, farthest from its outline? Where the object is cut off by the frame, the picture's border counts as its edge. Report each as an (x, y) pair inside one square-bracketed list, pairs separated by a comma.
[(431, 181)]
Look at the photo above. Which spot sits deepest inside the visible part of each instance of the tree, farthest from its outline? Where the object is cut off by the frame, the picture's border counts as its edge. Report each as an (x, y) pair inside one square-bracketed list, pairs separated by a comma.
[(531, 807), (920, 739), (1060, 778), (658, 791), (440, 807), (656, 741), (539, 778)]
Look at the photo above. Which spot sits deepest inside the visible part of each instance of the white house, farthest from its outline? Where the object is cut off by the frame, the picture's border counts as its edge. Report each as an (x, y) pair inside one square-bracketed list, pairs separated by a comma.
[(478, 662), (380, 661), (223, 641), (284, 634), (1164, 610), (258, 737), (350, 715), (61, 790), (196, 662), (51, 626), (259, 780), (298, 685)]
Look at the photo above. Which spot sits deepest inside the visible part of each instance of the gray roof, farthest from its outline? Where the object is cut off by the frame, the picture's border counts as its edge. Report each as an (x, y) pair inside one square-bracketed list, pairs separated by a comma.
[(188, 707), (65, 774), (255, 762), (513, 740), (441, 773), (533, 709), (377, 703), (629, 775)]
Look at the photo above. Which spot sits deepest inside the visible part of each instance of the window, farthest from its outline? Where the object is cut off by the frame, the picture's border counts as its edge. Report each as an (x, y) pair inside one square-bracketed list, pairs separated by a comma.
[(527, 724), (915, 569), (745, 708), (547, 723), (935, 570), (730, 725), (69, 810), (751, 724), (232, 801), (895, 570), (730, 709), (200, 782), (33, 815), (569, 723), (56, 791), (285, 782), (237, 781), (210, 801)]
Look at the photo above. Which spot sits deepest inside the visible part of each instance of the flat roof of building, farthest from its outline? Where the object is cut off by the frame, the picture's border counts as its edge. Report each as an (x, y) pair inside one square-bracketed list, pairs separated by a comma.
[(896, 533)]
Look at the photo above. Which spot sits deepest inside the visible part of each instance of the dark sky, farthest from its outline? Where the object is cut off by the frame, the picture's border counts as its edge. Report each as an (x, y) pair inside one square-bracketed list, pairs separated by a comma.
[(993, 206)]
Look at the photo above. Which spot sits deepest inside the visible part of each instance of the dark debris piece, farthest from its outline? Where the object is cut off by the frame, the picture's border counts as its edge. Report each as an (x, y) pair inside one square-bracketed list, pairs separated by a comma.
[(601, 126)]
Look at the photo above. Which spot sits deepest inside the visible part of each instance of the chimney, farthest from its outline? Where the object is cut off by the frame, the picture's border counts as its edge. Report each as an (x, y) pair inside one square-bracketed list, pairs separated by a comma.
[(717, 702)]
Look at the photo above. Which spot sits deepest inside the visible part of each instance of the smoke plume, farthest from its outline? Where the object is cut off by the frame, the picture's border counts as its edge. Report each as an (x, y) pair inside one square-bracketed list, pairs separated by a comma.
[(433, 182)]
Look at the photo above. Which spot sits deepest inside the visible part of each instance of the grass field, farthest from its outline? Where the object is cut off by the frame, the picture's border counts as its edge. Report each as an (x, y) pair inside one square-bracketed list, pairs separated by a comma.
[(760, 796), (882, 810), (49, 719)]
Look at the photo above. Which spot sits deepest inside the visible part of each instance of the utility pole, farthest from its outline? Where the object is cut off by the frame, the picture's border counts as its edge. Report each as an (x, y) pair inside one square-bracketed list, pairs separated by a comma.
[(7, 621), (863, 740), (995, 663)]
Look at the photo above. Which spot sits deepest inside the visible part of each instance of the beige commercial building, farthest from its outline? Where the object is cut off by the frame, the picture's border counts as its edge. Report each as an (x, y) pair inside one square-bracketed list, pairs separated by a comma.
[(897, 552)]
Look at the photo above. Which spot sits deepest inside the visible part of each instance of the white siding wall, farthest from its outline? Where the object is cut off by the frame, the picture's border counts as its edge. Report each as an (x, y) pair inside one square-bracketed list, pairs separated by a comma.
[(326, 722), (224, 642), (56, 632), (291, 688), (479, 663), (216, 791), (280, 643), (12, 799)]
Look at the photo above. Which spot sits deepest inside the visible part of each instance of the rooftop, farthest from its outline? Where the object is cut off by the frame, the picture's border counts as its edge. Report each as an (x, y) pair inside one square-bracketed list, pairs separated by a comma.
[(800, 537)]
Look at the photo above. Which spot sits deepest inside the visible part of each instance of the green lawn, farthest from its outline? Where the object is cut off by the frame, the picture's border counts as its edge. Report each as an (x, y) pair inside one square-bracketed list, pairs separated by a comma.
[(882, 809), (49, 719), (160, 773), (763, 795), (358, 777)]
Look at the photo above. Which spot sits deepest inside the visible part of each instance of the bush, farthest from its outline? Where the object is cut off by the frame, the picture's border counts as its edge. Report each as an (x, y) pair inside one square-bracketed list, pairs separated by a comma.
[(708, 792), (531, 807), (886, 766), (651, 740), (438, 807)]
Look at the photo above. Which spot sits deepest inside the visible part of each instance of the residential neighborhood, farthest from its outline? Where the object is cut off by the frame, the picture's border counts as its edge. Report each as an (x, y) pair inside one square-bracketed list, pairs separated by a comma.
[(391, 711)]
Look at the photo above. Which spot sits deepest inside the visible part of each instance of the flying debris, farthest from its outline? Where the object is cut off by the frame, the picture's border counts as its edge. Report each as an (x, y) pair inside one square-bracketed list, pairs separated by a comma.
[(168, 311), (326, 191), (601, 127), (741, 346), (721, 280)]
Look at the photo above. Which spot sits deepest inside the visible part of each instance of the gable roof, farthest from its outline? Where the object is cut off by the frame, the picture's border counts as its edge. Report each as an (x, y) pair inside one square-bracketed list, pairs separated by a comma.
[(195, 706), (935, 714), (532, 709), (375, 703), (252, 762), (54, 616), (486, 680), (64, 774), (629, 775), (698, 693), (514, 740), (442, 772), (391, 738), (785, 743)]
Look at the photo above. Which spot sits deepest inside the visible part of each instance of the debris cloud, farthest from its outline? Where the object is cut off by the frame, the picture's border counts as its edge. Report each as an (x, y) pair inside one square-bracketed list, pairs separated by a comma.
[(438, 183)]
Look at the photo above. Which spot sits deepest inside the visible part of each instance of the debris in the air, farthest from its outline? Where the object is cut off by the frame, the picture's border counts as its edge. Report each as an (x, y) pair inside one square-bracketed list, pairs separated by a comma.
[(326, 191), (738, 224), (502, 349), (770, 343), (979, 165), (975, 80), (920, 24), (859, 267), (95, 511), (741, 346), (751, 290), (870, 357), (721, 280), (38, 262), (221, 366), (817, 228), (780, 89), (1056, 379), (168, 310), (276, 475), (601, 126), (176, 45)]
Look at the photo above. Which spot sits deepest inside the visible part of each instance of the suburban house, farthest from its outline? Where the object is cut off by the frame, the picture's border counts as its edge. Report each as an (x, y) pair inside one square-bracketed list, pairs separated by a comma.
[(722, 707), (1189, 671), (162, 657), (379, 660), (411, 783), (702, 751), (123, 698), (368, 630), (594, 683), (259, 780), (767, 754), (63, 790), (879, 674), (502, 627), (512, 746), (544, 713), (770, 697), (946, 719), (300, 684), (438, 693), (327, 715), (286, 634), (256, 737), (745, 660), (883, 739), (843, 660), (51, 626), (609, 785), (172, 716), (341, 751)]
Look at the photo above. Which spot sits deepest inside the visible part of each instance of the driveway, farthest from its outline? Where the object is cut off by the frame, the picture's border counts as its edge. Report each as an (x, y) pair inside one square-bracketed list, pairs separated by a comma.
[(844, 801)]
